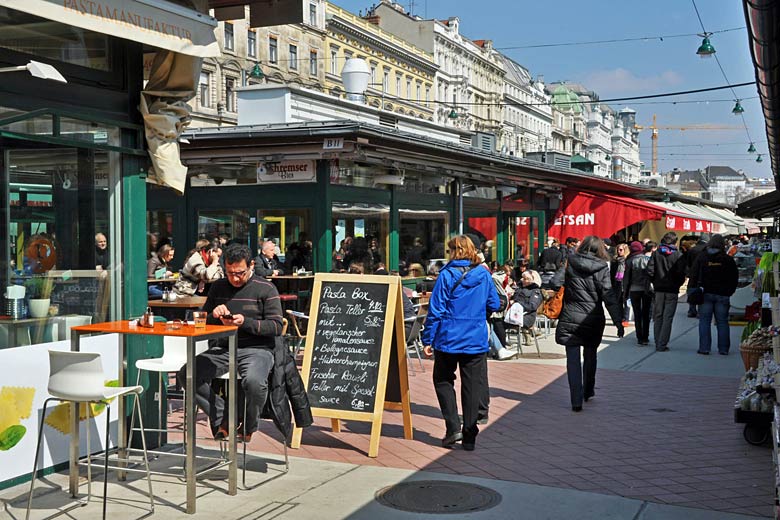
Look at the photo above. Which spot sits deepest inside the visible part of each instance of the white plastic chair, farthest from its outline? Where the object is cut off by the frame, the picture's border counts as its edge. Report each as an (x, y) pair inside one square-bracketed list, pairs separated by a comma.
[(173, 359), (77, 377)]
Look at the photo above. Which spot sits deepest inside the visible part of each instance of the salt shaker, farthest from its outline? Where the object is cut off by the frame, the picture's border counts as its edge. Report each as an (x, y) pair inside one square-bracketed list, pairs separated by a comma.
[(166, 295)]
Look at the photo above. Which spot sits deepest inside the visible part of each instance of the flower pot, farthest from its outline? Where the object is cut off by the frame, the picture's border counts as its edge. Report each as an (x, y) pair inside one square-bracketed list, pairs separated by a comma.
[(39, 307)]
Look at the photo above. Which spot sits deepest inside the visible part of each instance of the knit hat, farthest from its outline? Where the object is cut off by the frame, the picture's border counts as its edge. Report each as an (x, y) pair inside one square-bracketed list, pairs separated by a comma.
[(636, 247)]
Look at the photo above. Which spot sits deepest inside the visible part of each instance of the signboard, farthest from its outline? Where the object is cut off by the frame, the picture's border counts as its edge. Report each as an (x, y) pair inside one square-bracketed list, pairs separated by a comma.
[(333, 143), (688, 224), (358, 322), (286, 172)]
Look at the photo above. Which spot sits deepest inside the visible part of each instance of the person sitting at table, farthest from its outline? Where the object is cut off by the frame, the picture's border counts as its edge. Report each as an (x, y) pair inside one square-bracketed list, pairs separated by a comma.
[(160, 260), (426, 285), (267, 263), (201, 267), (102, 258), (253, 305)]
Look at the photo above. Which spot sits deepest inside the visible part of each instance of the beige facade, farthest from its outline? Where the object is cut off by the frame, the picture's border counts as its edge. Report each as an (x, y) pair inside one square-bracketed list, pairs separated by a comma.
[(402, 75), (286, 54)]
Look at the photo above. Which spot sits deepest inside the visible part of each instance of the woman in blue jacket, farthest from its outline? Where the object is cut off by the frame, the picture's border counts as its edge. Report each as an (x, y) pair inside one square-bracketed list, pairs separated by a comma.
[(456, 329)]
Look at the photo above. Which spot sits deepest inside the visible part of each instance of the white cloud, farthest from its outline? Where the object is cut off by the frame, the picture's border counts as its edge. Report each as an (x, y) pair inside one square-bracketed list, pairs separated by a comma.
[(621, 81)]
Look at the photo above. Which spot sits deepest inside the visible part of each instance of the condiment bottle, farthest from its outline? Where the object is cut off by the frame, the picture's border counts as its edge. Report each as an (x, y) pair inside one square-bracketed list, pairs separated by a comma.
[(147, 320), (166, 295)]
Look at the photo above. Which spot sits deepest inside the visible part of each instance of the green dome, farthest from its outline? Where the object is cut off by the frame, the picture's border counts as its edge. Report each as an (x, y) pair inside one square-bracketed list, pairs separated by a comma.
[(565, 99)]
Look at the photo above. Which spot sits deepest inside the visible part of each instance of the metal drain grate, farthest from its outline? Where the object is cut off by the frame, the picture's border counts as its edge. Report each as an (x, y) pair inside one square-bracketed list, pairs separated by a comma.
[(438, 496)]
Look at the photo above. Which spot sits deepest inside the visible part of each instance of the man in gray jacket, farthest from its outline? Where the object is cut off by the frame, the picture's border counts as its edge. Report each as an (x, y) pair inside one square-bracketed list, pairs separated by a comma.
[(666, 270)]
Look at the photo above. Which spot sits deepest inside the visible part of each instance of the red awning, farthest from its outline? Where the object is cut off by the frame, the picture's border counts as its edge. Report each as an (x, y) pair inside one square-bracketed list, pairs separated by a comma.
[(582, 214)]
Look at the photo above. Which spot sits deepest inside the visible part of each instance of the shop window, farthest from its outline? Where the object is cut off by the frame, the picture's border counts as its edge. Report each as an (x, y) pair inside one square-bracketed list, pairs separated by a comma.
[(290, 230), (349, 173), (422, 238), (251, 44), (293, 57), (229, 37), (361, 224), (226, 224), (58, 206)]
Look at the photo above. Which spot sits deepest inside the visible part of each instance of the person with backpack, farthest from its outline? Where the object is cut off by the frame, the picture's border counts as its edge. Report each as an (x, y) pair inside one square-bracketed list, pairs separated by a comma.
[(456, 329)]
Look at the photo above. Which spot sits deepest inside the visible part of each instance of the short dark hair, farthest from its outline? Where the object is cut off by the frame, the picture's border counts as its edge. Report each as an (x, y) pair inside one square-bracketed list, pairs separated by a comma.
[(571, 240), (649, 246), (717, 242), (234, 253), (669, 238)]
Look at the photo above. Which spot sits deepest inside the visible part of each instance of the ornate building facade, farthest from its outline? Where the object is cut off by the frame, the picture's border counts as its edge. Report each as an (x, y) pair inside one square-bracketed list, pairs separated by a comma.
[(526, 124)]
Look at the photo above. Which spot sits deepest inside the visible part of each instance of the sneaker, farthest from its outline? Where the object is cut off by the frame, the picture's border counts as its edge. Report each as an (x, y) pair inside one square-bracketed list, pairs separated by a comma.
[(451, 439), (505, 353)]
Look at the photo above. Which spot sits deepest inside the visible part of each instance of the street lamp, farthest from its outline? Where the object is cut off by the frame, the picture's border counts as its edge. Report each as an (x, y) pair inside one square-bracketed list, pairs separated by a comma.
[(355, 76), (38, 70), (256, 72), (751, 148), (759, 159), (453, 114), (706, 49), (737, 110)]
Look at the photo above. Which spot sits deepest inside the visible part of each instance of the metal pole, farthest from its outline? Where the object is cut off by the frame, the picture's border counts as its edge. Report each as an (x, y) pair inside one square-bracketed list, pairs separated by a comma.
[(460, 206), (13, 69)]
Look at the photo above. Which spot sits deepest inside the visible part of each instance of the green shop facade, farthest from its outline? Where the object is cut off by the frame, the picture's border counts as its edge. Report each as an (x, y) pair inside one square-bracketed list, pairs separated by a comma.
[(325, 181)]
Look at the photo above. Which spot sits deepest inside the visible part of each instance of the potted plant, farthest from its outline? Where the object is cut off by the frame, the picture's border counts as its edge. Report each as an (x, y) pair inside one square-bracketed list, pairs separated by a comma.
[(38, 290)]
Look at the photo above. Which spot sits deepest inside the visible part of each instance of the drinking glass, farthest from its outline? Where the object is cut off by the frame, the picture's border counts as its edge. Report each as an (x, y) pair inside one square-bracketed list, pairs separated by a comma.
[(200, 319)]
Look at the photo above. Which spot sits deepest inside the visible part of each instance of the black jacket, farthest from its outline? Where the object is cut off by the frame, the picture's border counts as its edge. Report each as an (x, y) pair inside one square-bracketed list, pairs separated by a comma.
[(530, 297), (692, 254), (636, 278), (716, 272), (587, 285), (286, 390), (551, 259), (265, 266), (666, 269)]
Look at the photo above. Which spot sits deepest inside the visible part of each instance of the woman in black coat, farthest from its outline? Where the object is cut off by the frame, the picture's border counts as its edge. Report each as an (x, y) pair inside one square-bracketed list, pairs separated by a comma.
[(586, 280)]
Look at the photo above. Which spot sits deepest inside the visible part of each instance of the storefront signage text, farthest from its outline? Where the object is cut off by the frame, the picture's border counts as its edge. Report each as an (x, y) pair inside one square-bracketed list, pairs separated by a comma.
[(585, 219), (108, 12), (286, 171), (688, 224)]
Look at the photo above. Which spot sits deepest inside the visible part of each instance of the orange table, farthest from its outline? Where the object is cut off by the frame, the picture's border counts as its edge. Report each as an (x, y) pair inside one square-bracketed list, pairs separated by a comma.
[(123, 328)]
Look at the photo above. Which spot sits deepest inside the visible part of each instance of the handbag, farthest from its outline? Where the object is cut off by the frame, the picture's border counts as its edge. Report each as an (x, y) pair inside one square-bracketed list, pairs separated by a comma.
[(514, 315), (552, 307), (696, 294)]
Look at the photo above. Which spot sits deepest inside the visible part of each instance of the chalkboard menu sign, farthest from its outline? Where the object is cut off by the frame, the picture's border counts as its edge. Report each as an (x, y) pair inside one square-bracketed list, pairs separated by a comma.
[(347, 346), (356, 322)]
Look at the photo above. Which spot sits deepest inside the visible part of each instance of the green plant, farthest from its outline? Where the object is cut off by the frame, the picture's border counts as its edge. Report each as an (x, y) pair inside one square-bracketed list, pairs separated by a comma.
[(39, 287)]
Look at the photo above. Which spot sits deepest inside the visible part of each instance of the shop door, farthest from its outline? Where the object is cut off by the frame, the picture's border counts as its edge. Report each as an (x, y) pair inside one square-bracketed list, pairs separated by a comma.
[(526, 232)]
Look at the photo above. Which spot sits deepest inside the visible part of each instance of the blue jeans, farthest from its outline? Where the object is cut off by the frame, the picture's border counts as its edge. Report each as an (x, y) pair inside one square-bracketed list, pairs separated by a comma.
[(719, 306)]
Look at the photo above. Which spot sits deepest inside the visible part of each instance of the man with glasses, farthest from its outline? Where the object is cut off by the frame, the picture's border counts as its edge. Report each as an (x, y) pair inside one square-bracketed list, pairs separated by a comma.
[(252, 304)]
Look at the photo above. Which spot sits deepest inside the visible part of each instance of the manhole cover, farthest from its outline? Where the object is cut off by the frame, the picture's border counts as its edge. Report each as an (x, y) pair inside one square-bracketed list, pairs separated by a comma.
[(545, 355), (438, 496)]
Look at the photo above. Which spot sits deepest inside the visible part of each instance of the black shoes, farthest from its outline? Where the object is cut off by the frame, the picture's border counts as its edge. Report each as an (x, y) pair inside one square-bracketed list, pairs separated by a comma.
[(482, 420), (576, 408), (643, 342), (723, 353), (468, 446), (702, 353), (662, 349), (451, 439)]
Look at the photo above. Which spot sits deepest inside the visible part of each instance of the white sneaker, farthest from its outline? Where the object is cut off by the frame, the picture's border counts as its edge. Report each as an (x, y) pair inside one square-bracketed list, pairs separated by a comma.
[(505, 353)]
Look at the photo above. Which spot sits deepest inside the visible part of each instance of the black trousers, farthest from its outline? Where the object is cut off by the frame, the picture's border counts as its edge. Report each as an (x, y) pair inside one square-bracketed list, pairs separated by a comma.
[(642, 303), (582, 375), (473, 385)]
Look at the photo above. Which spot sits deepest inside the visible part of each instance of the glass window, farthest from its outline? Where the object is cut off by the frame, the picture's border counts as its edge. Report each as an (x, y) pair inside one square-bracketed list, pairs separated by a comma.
[(385, 81), (313, 14), (362, 223), (58, 214), (29, 34), (409, 89), (251, 44), (293, 57), (230, 224), (313, 63), (334, 53), (373, 74), (485, 228), (347, 55), (419, 93), (290, 230), (229, 38), (159, 226), (273, 50), (422, 237), (230, 94), (204, 96), (398, 86)]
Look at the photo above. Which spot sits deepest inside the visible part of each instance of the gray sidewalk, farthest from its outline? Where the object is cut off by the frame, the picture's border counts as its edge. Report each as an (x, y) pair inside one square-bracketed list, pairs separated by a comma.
[(333, 490)]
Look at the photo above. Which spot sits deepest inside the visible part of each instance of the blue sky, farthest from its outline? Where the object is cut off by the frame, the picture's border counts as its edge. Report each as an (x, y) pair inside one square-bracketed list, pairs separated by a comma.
[(633, 68)]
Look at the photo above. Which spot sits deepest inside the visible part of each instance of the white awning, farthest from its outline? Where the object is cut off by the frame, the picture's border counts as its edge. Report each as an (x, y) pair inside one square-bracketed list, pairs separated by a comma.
[(157, 23)]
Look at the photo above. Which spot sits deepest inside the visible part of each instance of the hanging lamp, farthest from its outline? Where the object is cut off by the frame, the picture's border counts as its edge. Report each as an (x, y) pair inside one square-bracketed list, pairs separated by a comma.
[(706, 49), (759, 158), (751, 148), (737, 110)]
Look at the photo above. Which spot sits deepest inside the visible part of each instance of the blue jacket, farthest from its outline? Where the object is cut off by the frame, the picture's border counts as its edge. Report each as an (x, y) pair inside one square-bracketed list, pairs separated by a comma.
[(457, 322)]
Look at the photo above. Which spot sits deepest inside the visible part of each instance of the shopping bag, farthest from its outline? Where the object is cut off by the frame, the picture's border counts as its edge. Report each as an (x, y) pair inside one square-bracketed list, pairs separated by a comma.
[(514, 315), (552, 307)]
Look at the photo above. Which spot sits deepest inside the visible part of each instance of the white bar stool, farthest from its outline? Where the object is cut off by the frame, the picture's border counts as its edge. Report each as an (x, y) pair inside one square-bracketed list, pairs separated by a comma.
[(77, 377)]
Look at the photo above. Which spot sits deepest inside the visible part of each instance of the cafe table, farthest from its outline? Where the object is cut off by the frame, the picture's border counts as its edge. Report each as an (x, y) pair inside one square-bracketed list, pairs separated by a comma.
[(126, 328)]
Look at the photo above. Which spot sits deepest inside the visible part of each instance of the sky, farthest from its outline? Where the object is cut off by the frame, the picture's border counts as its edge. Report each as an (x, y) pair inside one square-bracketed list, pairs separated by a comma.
[(638, 68)]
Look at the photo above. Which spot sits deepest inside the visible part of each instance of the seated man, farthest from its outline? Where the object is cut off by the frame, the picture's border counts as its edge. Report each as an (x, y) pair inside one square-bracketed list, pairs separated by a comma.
[(256, 310), (267, 263)]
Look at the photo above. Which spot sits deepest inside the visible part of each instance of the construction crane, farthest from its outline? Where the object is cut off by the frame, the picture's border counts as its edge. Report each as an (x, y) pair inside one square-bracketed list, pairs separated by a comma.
[(654, 127)]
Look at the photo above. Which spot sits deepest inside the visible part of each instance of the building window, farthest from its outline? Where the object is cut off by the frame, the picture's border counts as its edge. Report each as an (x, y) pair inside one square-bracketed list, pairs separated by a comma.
[(334, 56), (230, 95), (229, 39), (347, 56), (313, 63), (398, 86), (373, 73), (427, 95), (203, 90), (293, 57), (419, 92), (409, 88), (251, 44), (273, 50), (386, 81), (313, 14)]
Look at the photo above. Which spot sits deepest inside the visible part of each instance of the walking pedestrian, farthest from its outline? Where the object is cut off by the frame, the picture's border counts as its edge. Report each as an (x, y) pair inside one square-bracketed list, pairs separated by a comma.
[(666, 270), (587, 289), (456, 328), (637, 288), (716, 273), (617, 270)]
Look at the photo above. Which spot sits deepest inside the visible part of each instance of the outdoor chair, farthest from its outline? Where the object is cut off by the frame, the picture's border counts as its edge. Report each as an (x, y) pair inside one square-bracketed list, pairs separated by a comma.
[(298, 340)]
